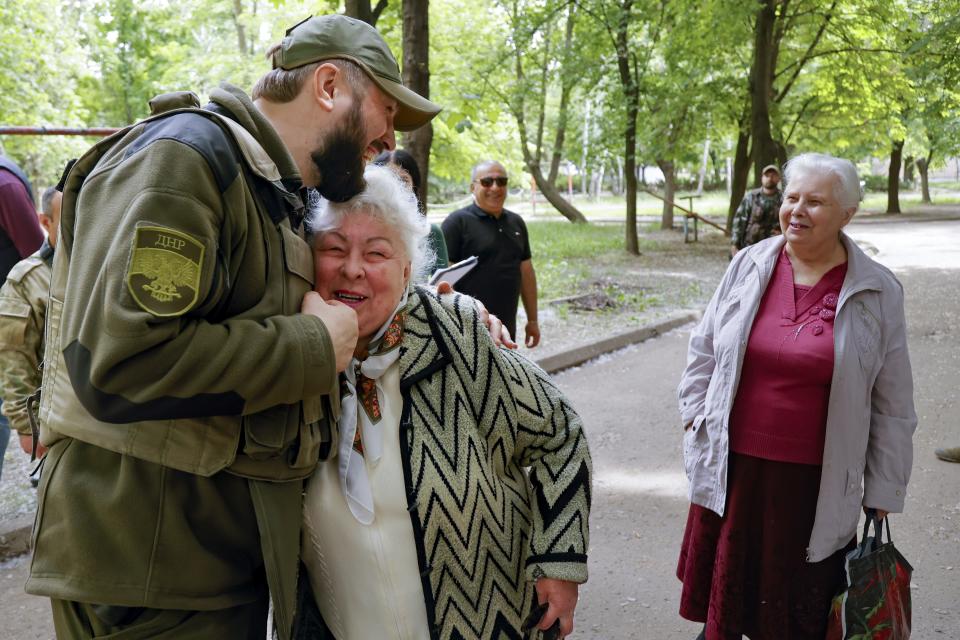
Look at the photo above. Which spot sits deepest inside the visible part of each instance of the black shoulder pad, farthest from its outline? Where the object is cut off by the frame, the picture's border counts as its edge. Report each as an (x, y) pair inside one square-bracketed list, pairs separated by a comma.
[(202, 134)]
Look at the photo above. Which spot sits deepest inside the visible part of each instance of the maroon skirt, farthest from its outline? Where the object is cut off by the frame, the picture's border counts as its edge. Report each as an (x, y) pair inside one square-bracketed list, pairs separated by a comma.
[(746, 573)]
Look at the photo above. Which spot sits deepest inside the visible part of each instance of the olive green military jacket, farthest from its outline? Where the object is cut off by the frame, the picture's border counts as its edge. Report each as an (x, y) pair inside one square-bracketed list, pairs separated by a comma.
[(23, 307), (174, 332)]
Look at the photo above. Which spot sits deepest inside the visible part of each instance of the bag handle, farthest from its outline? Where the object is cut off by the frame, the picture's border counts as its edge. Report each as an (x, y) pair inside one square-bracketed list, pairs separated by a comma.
[(878, 526)]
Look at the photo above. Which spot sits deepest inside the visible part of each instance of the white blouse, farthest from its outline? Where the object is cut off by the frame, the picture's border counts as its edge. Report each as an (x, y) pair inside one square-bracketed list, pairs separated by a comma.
[(365, 578)]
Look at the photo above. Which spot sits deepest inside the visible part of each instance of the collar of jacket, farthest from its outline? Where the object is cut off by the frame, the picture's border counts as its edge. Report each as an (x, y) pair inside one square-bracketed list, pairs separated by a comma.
[(231, 102), (242, 109), (862, 271), (428, 331)]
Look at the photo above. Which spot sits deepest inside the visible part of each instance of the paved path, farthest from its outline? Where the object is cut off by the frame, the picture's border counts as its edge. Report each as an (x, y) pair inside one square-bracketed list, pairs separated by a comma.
[(627, 400)]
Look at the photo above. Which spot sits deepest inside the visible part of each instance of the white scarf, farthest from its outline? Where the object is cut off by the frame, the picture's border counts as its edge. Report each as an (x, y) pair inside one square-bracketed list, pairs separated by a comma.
[(353, 471)]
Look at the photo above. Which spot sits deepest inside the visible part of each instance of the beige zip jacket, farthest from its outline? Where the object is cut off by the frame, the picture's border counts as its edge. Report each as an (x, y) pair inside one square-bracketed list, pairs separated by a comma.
[(868, 451)]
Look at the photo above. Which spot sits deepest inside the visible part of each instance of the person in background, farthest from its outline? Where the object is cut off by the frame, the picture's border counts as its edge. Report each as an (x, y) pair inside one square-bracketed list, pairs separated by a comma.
[(20, 236), (499, 239), (23, 312), (757, 216), (460, 489), (409, 172), (783, 452)]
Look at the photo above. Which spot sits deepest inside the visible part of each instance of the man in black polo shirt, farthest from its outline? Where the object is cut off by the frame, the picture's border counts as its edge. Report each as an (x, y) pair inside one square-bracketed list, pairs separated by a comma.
[(499, 239)]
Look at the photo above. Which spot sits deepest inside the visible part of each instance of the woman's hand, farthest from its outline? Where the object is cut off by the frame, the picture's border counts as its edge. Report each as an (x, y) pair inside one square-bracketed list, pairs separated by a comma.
[(881, 514), (498, 332), (562, 596)]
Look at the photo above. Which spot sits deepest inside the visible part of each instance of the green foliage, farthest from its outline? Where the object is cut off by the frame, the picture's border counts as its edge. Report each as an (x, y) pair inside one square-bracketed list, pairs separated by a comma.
[(878, 70), (563, 253)]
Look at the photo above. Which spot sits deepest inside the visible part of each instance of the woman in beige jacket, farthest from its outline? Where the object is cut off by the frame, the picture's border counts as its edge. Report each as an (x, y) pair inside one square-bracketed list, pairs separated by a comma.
[(797, 405)]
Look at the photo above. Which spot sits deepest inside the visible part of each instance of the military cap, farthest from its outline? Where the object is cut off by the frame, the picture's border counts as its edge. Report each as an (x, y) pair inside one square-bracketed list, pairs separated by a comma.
[(335, 36)]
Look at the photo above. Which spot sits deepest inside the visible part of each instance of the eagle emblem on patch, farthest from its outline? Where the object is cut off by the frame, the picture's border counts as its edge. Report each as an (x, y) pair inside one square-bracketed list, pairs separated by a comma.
[(164, 272)]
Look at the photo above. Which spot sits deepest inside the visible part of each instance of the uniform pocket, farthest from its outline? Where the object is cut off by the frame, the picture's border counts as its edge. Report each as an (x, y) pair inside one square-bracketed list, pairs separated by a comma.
[(14, 314), (297, 255), (267, 431)]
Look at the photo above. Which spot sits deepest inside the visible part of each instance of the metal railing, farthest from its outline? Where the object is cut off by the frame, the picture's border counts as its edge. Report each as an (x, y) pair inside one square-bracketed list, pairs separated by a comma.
[(58, 131), (689, 214)]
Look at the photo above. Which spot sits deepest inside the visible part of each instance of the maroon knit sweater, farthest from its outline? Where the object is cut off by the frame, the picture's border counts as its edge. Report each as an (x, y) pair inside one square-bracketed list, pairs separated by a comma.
[(780, 412)]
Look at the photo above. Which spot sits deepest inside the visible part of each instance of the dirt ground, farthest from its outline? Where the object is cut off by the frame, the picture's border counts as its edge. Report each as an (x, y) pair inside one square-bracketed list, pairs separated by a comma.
[(627, 401)]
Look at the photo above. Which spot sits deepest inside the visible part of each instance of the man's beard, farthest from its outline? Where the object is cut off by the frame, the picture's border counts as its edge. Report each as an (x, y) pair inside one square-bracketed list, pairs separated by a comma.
[(339, 160)]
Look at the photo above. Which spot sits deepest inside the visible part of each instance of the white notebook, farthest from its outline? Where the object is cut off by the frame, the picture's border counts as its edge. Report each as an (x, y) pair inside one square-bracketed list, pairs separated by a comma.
[(454, 272)]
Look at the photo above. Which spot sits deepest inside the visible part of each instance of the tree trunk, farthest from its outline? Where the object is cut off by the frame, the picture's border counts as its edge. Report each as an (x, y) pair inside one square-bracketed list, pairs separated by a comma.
[(618, 177), (669, 190), (908, 163), (550, 191), (741, 171), (241, 32), (362, 10), (598, 184), (542, 106), (632, 95), (761, 88), (584, 146), (566, 86), (923, 168), (893, 178), (416, 76), (703, 166)]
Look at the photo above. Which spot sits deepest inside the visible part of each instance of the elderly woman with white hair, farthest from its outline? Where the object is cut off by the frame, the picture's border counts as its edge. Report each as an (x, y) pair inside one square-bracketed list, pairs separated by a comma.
[(460, 488), (797, 406)]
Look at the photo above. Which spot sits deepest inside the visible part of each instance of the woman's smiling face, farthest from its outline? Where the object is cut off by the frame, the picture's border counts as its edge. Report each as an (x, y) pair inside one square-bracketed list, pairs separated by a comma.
[(363, 264), (811, 214)]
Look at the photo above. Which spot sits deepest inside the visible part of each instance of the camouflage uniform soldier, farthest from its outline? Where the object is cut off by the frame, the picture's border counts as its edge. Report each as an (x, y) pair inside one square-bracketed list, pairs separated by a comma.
[(757, 218), (23, 311), (187, 358)]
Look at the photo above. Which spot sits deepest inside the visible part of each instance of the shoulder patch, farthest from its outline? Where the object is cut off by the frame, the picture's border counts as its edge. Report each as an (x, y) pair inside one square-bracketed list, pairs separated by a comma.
[(164, 272)]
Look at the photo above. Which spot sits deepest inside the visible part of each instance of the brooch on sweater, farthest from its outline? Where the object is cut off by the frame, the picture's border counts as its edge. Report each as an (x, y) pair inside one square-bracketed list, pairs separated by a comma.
[(826, 311)]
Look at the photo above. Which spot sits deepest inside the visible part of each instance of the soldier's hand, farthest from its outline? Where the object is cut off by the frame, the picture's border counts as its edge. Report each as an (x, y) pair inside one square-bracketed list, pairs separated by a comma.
[(26, 443), (341, 323)]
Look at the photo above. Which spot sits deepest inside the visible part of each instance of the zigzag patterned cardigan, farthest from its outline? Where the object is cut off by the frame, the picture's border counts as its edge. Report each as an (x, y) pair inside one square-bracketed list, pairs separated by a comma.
[(475, 418)]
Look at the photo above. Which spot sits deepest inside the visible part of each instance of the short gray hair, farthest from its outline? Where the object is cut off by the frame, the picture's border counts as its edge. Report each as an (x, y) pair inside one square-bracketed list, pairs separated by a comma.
[(846, 188), (46, 200), (483, 164), (389, 199)]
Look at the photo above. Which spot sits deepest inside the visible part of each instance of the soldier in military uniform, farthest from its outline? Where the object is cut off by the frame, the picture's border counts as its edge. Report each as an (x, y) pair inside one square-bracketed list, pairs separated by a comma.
[(757, 218), (187, 361), (23, 311)]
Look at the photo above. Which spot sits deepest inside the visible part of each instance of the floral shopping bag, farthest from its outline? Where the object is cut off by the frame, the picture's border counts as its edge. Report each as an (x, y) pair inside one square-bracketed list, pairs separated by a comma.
[(875, 605)]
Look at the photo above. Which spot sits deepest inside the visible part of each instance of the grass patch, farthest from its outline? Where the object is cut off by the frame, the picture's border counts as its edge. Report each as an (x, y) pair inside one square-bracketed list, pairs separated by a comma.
[(564, 253)]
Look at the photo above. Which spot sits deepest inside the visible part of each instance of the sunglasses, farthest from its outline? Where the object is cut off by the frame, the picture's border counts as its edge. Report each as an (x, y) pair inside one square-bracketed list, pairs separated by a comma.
[(488, 182)]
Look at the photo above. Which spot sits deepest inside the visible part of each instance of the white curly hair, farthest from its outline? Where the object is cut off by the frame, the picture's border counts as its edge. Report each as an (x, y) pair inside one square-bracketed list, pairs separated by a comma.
[(390, 200)]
